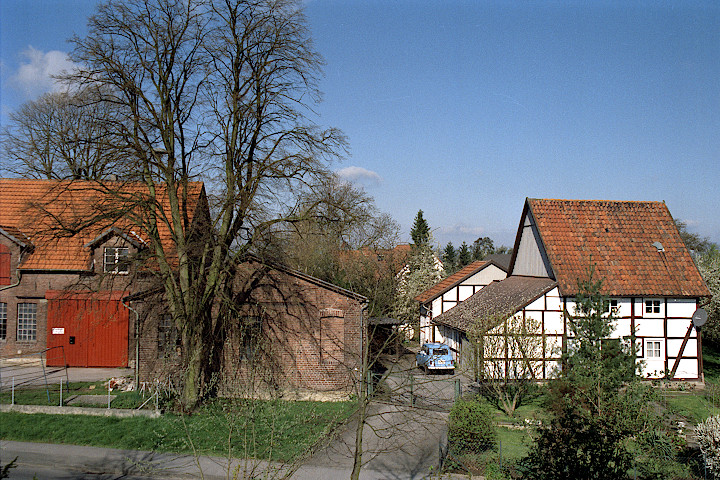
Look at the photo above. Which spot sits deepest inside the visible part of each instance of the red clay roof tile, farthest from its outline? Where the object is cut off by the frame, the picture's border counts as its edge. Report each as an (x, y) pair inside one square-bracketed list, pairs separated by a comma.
[(617, 238), (36, 207)]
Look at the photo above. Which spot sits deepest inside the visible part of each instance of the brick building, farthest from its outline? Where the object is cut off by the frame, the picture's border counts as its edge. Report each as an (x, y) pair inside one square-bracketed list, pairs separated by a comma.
[(64, 270), (84, 295)]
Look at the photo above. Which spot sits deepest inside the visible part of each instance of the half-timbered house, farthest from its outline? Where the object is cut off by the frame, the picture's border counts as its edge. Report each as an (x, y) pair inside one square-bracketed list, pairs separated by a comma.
[(453, 290), (647, 272)]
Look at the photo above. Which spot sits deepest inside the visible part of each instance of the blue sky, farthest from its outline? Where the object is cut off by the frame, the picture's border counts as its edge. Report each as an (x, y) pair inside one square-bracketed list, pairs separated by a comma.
[(464, 108)]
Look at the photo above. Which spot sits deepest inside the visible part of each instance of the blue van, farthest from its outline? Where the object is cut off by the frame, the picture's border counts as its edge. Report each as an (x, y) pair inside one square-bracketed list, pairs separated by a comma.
[(435, 357)]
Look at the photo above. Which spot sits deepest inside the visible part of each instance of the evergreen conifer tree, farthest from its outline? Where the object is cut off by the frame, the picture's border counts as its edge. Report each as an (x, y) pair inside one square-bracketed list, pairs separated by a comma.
[(420, 232)]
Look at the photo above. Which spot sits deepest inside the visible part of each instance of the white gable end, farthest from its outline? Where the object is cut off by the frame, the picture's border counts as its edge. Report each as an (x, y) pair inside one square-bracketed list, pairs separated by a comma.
[(530, 260)]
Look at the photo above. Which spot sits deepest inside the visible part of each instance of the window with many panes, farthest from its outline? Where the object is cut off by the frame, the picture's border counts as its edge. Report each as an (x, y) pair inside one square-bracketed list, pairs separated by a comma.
[(612, 306), (115, 260), (168, 338), (3, 321), (27, 322), (652, 349), (652, 306)]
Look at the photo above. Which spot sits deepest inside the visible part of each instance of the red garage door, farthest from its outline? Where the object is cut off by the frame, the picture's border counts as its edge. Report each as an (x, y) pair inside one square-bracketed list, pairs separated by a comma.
[(92, 328)]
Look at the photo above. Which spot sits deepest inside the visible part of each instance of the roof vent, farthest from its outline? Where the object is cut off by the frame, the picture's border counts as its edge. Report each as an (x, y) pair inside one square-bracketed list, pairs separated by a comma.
[(659, 246)]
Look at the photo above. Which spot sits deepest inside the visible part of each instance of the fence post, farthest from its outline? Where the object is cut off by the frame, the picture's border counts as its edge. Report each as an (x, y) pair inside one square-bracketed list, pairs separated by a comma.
[(47, 387), (61, 392), (458, 389), (12, 396), (108, 394)]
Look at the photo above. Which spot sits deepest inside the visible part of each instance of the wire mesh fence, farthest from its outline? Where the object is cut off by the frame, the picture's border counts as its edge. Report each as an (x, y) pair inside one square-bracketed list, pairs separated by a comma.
[(33, 369)]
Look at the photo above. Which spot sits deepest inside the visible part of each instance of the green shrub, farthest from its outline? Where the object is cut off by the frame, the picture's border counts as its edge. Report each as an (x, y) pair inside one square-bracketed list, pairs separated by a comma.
[(471, 427)]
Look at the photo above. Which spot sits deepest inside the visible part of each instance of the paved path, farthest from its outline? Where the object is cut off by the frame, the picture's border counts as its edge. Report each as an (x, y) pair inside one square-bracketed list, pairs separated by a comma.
[(34, 374), (72, 462), (401, 442)]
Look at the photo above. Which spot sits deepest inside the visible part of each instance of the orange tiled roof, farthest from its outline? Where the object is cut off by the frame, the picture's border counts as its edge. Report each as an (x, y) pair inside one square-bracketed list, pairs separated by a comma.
[(447, 283), (36, 207), (617, 237)]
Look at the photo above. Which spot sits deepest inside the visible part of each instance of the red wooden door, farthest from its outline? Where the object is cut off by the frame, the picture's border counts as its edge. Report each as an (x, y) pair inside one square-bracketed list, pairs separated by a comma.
[(91, 328)]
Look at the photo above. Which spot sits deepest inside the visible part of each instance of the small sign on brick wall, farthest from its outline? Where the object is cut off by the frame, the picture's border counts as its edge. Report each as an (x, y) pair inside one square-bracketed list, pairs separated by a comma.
[(58, 331), (332, 312)]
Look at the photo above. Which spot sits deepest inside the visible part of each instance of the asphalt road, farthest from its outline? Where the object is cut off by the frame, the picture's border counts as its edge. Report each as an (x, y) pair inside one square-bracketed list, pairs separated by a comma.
[(401, 442)]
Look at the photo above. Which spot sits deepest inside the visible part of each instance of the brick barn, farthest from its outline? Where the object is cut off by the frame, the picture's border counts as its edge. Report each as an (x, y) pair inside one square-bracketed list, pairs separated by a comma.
[(85, 297)]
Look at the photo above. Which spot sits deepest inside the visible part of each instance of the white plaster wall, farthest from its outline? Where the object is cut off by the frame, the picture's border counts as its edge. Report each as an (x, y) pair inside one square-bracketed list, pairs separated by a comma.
[(674, 344), (649, 327), (686, 369), (436, 307), (681, 307), (622, 328), (679, 327), (425, 329), (464, 292), (486, 276), (450, 295), (538, 304)]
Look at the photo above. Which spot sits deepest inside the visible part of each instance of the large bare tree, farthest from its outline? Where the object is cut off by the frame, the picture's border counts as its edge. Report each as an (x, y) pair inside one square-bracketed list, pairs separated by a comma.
[(64, 135), (215, 90)]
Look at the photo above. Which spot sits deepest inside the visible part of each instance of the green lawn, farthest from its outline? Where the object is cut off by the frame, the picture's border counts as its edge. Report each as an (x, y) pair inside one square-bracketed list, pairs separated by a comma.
[(273, 430), (696, 405)]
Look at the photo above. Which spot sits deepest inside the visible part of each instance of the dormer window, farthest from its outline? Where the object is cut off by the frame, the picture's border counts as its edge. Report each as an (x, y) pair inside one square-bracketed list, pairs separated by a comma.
[(115, 260)]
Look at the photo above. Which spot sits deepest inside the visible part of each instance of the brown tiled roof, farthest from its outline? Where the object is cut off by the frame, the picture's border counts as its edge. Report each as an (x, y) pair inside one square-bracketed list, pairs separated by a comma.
[(36, 207), (449, 282), (617, 238), (496, 302)]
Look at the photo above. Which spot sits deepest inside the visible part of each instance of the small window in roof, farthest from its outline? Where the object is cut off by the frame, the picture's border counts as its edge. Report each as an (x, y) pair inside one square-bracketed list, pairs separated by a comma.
[(115, 260)]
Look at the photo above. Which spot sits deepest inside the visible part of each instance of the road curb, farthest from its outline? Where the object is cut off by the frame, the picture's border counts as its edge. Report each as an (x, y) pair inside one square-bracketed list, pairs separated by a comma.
[(96, 412)]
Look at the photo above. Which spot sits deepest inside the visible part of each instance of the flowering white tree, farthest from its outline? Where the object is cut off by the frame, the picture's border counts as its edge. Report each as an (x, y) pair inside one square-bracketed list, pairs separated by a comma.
[(708, 437), (423, 270)]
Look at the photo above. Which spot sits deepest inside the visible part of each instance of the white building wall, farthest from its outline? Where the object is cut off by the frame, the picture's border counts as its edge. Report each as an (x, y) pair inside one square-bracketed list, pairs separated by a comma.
[(650, 328), (454, 296), (529, 259)]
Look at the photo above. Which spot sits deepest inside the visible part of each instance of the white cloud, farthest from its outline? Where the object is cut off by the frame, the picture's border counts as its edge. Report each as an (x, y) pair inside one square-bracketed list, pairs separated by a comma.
[(461, 229), (353, 174), (33, 77)]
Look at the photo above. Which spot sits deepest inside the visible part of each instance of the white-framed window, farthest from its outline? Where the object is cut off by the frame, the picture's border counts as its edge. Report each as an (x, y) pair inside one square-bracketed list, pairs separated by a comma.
[(652, 349), (115, 260), (27, 322), (612, 306), (652, 305), (3, 320)]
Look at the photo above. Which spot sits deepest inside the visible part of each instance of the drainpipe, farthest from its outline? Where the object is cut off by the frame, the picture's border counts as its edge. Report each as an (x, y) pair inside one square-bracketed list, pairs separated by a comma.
[(137, 343), (19, 277)]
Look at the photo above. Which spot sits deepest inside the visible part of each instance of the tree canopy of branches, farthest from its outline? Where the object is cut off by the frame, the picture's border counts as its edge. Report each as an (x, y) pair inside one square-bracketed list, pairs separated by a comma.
[(342, 238), (423, 270), (64, 135), (217, 90), (709, 265)]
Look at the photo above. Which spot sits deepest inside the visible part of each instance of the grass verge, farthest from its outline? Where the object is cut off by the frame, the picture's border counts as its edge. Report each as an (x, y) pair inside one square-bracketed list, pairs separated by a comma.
[(270, 430)]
